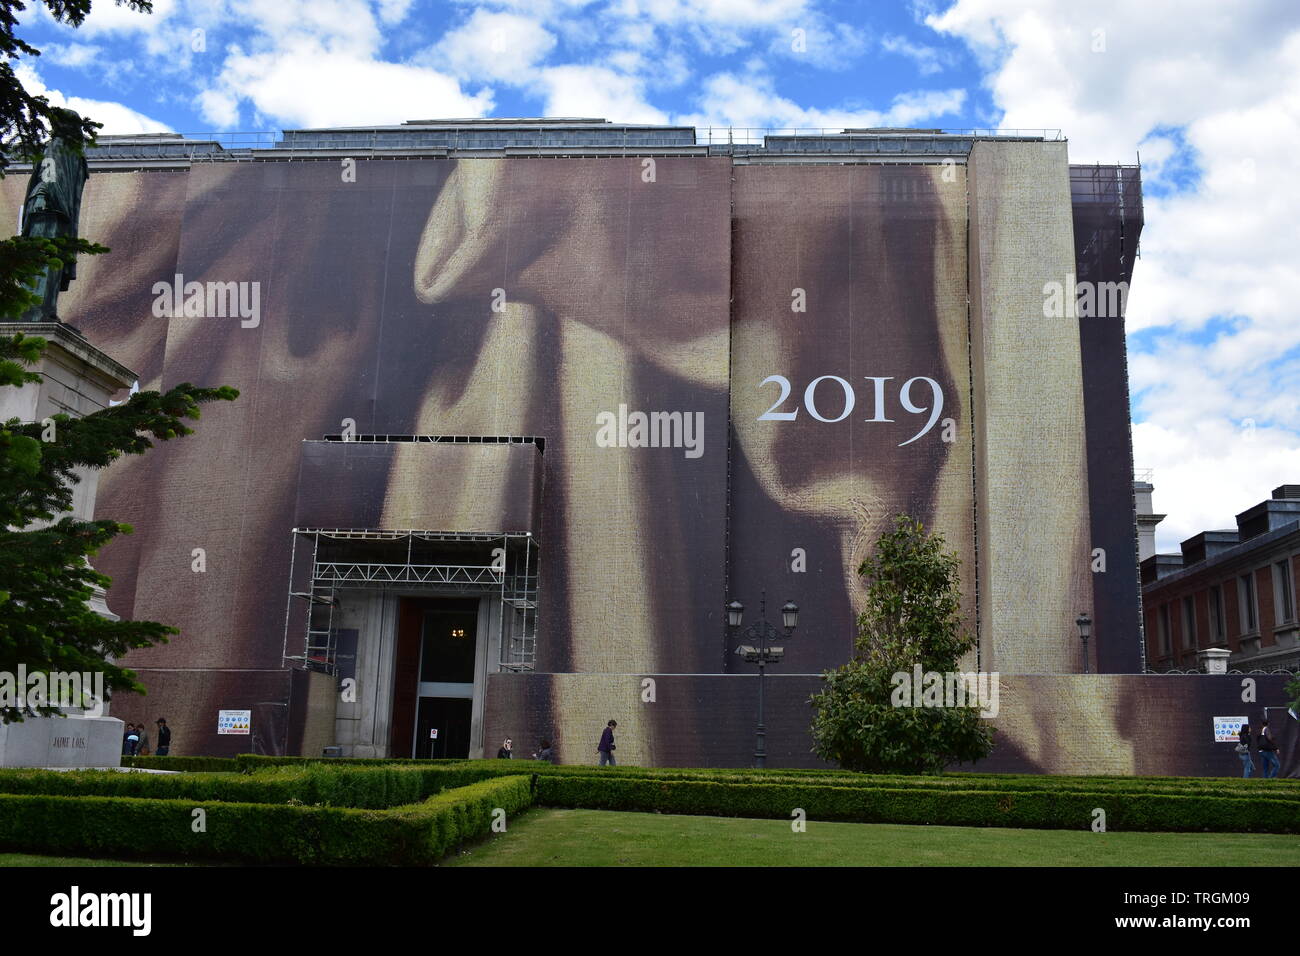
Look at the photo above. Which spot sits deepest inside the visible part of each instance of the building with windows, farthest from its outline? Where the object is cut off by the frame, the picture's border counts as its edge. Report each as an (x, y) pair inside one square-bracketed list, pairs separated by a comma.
[(526, 403), (1229, 594)]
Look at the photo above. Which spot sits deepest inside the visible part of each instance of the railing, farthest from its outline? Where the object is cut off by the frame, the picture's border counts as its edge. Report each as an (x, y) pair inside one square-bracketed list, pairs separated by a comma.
[(212, 145)]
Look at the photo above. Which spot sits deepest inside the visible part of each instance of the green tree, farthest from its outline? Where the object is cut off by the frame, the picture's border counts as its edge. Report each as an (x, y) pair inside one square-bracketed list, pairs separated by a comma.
[(913, 616), (46, 581)]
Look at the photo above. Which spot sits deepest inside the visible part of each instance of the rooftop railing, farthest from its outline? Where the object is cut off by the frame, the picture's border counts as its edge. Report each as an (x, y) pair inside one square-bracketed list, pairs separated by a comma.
[(488, 136)]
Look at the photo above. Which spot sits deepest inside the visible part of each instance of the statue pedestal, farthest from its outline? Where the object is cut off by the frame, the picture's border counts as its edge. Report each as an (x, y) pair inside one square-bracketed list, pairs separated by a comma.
[(78, 379), (72, 741)]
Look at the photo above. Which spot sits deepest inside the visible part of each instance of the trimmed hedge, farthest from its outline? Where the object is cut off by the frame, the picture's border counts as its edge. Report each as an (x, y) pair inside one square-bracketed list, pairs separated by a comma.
[(258, 833), (1017, 782), (186, 764), (1066, 810), (372, 787)]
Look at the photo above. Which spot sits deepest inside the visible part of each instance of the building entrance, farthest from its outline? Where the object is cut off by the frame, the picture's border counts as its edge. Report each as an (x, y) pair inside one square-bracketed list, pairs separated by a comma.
[(448, 642), (433, 694)]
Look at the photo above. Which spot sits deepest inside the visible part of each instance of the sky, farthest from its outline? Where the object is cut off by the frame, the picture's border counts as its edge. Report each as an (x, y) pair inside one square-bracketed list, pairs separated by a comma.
[(1206, 94)]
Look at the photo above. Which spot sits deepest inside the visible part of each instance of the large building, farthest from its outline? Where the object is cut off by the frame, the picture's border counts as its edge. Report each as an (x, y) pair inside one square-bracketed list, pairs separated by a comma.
[(1229, 595), (526, 403)]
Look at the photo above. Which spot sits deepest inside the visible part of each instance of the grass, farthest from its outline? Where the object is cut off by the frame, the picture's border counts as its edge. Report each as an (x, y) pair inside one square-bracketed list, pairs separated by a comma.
[(549, 837)]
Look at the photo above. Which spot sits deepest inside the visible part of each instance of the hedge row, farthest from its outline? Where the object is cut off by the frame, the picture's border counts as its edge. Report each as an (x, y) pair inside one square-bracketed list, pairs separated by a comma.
[(981, 808), (372, 787), (388, 784), (1018, 784), (1115, 786), (186, 764), (1015, 782), (259, 833)]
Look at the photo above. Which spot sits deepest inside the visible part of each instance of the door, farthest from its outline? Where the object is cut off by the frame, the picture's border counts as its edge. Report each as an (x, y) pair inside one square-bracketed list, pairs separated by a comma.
[(448, 646), (442, 727)]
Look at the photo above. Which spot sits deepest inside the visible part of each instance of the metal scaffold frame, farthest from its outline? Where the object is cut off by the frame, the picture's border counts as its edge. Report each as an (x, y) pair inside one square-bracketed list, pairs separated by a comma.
[(511, 575)]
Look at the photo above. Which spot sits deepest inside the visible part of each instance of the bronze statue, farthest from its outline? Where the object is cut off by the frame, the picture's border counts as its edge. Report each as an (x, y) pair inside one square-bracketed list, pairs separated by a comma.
[(53, 206)]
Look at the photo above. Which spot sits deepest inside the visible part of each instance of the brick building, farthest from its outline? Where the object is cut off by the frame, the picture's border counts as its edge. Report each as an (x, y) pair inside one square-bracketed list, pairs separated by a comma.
[(1229, 590)]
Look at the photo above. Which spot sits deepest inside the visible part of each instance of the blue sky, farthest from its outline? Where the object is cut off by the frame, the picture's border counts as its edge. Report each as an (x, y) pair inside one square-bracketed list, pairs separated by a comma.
[(1207, 93)]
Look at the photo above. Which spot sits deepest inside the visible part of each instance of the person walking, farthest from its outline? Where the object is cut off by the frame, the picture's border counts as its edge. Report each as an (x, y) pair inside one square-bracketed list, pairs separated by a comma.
[(507, 750), (606, 746), (1243, 751), (132, 740), (1268, 750), (164, 738), (143, 749)]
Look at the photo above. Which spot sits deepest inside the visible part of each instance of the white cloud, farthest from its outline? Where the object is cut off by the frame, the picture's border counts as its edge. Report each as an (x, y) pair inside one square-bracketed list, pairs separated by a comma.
[(750, 101), (115, 117), (1208, 473), (345, 89), (110, 18), (336, 26), (596, 91), (503, 47), (393, 11), (928, 59), (731, 13), (1116, 77), (219, 108), (72, 55), (818, 41)]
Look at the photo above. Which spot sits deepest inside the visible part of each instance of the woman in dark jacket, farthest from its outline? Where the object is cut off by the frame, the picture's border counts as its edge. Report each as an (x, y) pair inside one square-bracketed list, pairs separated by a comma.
[(1243, 751), (1268, 750)]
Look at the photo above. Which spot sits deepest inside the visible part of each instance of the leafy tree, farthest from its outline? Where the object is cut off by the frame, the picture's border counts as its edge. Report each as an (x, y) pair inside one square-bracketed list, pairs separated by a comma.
[(46, 581), (45, 578), (913, 616)]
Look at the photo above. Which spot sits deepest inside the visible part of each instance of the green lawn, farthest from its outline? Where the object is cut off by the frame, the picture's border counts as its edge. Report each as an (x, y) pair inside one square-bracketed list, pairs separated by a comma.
[(549, 837)]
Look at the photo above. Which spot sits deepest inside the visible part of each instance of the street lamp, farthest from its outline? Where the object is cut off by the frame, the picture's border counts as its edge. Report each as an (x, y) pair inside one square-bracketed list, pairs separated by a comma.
[(762, 654), (1085, 631)]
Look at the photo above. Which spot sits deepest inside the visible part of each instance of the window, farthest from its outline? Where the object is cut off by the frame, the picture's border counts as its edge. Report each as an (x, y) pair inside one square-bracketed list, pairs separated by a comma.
[(1246, 591), (1217, 629), (1189, 623), (1162, 626), (1283, 594)]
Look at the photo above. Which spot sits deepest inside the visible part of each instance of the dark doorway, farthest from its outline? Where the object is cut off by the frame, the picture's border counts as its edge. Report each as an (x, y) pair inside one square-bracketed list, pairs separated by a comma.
[(434, 677), (450, 718)]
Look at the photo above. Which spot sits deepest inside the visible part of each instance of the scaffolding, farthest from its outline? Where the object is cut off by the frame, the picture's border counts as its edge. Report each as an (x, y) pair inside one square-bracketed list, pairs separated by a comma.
[(1107, 211), (324, 561)]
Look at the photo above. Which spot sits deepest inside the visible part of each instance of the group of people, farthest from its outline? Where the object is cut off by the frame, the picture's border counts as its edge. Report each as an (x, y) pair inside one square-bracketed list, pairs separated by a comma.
[(546, 752), (1266, 746), (135, 740)]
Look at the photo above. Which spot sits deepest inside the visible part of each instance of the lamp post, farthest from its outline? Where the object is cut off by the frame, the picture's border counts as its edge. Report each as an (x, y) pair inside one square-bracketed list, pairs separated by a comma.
[(1085, 631), (763, 654)]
